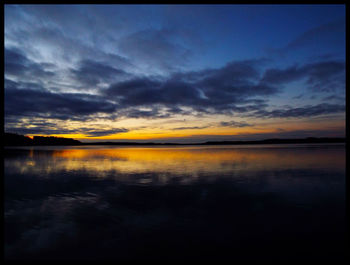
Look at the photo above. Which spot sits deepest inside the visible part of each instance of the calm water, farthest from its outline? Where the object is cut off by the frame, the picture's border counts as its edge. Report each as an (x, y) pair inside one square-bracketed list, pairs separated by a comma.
[(251, 203)]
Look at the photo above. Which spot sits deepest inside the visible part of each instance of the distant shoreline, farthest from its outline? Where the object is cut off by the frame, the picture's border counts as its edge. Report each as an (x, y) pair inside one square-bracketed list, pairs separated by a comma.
[(256, 142), (21, 140)]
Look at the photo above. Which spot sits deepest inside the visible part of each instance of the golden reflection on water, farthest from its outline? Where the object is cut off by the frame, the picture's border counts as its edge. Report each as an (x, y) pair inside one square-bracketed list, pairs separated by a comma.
[(179, 160)]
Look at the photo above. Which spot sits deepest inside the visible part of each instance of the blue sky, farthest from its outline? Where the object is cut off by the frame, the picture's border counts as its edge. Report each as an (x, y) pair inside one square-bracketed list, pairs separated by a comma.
[(143, 71)]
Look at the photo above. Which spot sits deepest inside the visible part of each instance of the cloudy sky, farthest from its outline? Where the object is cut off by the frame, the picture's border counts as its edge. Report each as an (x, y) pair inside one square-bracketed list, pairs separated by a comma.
[(175, 73)]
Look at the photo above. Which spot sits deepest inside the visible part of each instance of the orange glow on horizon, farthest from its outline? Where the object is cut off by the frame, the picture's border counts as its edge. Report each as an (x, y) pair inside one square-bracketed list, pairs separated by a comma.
[(168, 133)]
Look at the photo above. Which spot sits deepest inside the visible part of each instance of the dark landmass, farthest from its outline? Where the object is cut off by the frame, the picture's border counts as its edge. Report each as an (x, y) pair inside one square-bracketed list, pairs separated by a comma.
[(285, 141), (16, 139), (12, 139), (267, 141)]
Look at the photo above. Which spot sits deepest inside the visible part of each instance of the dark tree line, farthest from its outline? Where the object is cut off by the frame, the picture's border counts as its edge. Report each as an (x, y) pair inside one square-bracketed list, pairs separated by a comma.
[(13, 139)]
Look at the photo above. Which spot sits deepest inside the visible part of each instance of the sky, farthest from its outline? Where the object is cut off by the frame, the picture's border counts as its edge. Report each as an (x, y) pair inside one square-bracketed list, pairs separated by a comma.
[(175, 73)]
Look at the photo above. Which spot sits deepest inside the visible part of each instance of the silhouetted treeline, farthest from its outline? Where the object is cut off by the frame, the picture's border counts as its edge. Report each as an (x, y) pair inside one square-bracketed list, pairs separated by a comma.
[(16, 139), (12, 139), (41, 140)]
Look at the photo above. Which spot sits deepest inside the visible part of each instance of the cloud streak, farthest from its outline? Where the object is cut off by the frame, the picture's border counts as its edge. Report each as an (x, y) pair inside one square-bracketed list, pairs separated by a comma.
[(326, 76), (234, 124), (331, 30), (18, 65), (301, 112), (190, 128), (64, 106), (92, 73)]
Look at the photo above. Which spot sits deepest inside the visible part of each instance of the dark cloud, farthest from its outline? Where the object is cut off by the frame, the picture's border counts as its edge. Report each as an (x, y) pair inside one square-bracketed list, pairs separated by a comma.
[(154, 113), (298, 96), (326, 76), (331, 31), (91, 72), (138, 91), (238, 73), (37, 86), (235, 72), (307, 111), (10, 84), (335, 98), (234, 124), (15, 56), (320, 76), (47, 129), (282, 76), (190, 128), (41, 129), (97, 133), (17, 64), (233, 88), (64, 106)]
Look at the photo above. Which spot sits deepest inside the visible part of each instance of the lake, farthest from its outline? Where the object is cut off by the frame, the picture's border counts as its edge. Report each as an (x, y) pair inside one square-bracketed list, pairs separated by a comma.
[(241, 203)]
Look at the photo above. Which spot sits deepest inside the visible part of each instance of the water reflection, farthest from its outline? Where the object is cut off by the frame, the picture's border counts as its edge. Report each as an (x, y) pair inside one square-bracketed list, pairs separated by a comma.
[(217, 202), (186, 160)]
